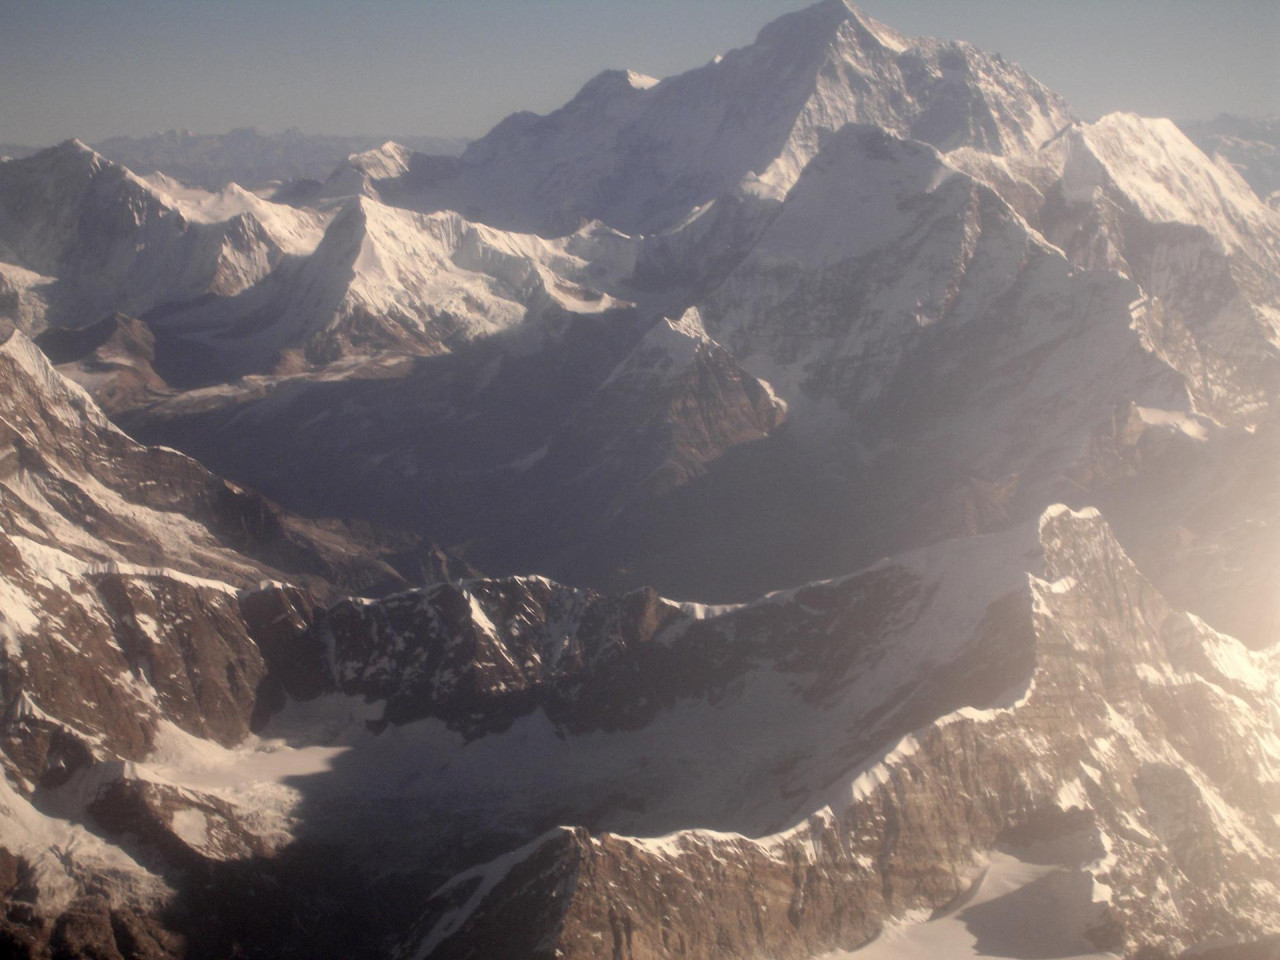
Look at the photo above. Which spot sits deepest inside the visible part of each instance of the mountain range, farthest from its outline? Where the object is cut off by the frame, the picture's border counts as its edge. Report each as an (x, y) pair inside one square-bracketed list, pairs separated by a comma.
[(245, 156), (366, 517)]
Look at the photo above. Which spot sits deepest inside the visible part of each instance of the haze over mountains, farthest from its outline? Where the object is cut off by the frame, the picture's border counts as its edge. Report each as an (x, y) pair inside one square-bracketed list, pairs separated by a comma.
[(244, 156), (1252, 146), (735, 337)]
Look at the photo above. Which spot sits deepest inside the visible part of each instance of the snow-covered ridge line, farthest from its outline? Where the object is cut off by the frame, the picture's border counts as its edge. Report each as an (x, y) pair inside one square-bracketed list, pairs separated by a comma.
[(1065, 800), (165, 573), (1168, 178), (807, 74), (31, 360)]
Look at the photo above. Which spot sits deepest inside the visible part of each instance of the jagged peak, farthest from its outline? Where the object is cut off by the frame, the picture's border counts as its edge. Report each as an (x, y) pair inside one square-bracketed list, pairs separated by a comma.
[(75, 151), (641, 81), (882, 33), (1056, 511), (371, 242), (822, 21), (389, 148), (381, 163), (352, 217), (689, 324), (681, 336), (1167, 178), (75, 145), (73, 165)]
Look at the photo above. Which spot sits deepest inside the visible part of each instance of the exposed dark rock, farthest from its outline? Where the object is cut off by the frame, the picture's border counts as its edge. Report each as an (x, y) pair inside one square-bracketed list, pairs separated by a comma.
[(84, 932)]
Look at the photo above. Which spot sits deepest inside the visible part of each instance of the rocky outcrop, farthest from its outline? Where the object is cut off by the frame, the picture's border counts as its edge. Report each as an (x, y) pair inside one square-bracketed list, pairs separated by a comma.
[(113, 358), (1088, 725), (122, 621), (1095, 769)]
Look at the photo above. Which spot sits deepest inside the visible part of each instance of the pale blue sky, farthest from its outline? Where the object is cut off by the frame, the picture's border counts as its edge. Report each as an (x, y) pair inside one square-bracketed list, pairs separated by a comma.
[(93, 68)]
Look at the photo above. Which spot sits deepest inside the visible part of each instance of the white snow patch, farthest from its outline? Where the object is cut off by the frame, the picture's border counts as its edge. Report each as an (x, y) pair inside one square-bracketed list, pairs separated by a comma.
[(191, 826), (1072, 796), (1017, 910), (641, 81), (1184, 423)]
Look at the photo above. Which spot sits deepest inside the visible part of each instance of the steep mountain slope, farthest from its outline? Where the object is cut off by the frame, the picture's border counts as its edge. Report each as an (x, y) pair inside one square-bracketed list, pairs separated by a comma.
[(1035, 672), (120, 572), (962, 332), (387, 280), (1083, 645), (84, 506), (1251, 145), (232, 283), (945, 368), (24, 297), (115, 242), (640, 155), (1136, 196)]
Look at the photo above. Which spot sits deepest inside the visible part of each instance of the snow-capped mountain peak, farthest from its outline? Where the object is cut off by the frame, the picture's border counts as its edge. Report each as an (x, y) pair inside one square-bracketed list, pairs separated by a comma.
[(111, 241), (1166, 177), (360, 173), (822, 21), (669, 346), (641, 157)]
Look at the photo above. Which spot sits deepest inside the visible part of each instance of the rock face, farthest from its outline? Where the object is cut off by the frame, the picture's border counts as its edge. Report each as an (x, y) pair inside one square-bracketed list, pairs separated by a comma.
[(1091, 728), (1134, 722), (120, 617), (115, 242), (1038, 675), (890, 294), (386, 280), (232, 283)]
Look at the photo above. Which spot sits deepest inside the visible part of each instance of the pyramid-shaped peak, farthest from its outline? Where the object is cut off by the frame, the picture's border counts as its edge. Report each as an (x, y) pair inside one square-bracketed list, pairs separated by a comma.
[(882, 32), (69, 158), (75, 147), (640, 159), (354, 213), (823, 20)]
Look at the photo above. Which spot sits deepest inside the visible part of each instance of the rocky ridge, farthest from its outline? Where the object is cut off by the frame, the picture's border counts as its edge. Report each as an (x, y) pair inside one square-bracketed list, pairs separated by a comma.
[(951, 670), (1095, 765)]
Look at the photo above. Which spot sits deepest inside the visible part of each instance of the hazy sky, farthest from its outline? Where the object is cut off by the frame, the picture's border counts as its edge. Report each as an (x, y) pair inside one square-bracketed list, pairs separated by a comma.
[(94, 68)]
